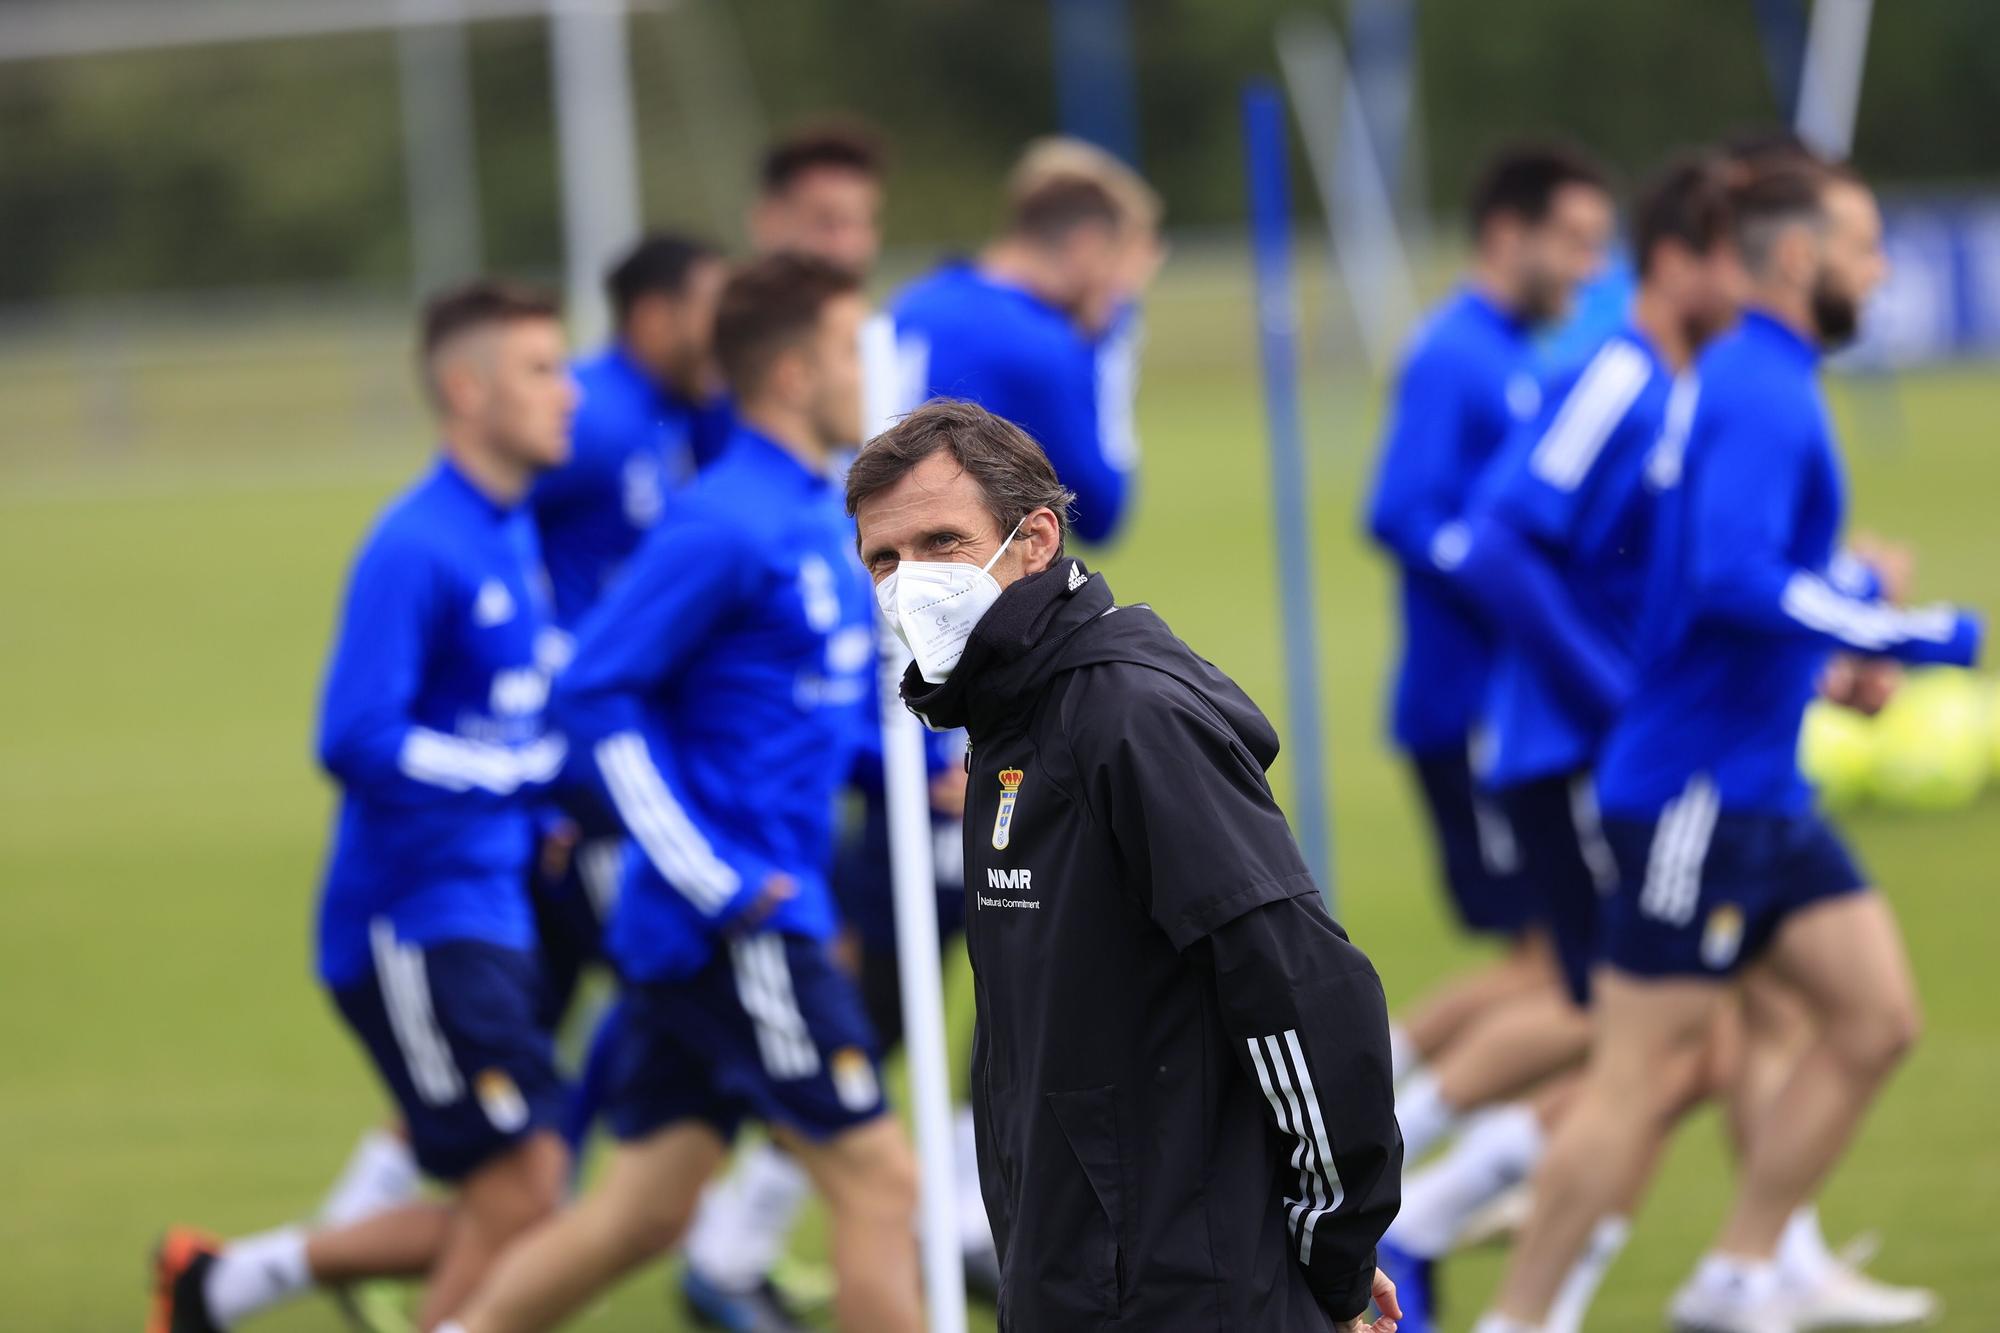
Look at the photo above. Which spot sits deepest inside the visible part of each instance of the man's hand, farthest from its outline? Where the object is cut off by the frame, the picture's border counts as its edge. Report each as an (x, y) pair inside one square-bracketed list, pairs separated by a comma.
[(778, 889), (1384, 1295), (1864, 684)]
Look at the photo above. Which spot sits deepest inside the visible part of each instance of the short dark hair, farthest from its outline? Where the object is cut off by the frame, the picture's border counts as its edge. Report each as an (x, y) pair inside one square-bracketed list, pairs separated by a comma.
[(1522, 181), (1687, 201), (459, 309), (1012, 472), (842, 143), (1050, 210), (1772, 199), (659, 265), (769, 305)]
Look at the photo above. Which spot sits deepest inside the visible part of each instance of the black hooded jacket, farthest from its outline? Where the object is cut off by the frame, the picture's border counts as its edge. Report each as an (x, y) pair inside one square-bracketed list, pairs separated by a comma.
[(1181, 1068)]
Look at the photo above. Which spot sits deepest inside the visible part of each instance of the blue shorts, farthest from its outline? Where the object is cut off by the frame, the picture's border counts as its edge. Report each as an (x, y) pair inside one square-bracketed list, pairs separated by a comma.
[(862, 886), (1566, 866), (1481, 858), (1703, 891), (769, 1029), (453, 1031)]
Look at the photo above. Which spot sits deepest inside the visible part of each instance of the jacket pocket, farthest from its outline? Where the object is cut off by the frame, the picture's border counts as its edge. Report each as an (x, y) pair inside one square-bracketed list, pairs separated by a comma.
[(1088, 1119)]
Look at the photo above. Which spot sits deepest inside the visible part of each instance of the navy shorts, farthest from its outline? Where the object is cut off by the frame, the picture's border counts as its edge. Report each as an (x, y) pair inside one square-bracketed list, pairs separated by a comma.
[(861, 880), (1703, 891), (1566, 866), (770, 1029), (1482, 859), (453, 1031)]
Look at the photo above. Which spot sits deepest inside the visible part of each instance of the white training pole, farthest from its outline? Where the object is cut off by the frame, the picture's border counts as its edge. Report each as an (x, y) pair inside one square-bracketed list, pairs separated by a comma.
[(1830, 78), (598, 147), (440, 165), (1353, 186), (913, 879)]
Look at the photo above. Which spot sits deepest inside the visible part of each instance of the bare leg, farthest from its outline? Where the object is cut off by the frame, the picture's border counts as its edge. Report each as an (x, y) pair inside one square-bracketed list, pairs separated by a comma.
[(496, 1204), (637, 1211), (1777, 1030), (402, 1242), (1648, 1064), (869, 1180), (1440, 1016), (1508, 1051), (1846, 958)]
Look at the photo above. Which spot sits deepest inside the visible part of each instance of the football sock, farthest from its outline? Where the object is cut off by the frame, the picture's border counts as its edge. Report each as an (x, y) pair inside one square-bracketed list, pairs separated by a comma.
[(1423, 1113), (256, 1273), (1586, 1275), (745, 1218), (1496, 1152), (1403, 1057), (380, 1173), (1803, 1255), (1489, 1323)]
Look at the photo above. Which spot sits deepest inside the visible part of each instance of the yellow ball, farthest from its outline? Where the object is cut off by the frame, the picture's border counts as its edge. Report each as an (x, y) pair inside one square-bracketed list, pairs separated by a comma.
[(1932, 743), (1837, 752)]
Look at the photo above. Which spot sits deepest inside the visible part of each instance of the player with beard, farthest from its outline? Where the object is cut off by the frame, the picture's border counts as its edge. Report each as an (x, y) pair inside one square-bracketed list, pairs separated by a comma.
[(1723, 864), (1558, 534), (1540, 217)]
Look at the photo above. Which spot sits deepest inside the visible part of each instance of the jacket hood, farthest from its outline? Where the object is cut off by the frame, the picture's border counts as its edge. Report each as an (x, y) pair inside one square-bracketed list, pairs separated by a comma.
[(1055, 622)]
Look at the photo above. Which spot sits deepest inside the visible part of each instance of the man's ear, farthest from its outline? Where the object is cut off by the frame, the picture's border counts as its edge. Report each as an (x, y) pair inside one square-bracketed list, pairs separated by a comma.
[(1040, 540)]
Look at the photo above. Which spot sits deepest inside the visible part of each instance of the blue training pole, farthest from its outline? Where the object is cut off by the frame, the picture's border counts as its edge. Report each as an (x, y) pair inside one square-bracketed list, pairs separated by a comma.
[(1266, 156)]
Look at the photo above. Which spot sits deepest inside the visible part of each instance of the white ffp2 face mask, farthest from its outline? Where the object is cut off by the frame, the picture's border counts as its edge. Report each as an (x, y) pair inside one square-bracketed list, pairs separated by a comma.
[(934, 604)]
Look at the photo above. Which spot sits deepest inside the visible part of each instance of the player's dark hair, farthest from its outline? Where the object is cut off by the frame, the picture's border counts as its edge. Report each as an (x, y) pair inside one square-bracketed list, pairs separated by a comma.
[(659, 265), (1523, 181), (769, 306), (1764, 146), (843, 144), (1686, 201), (1772, 200), (1049, 211), (1012, 472), (475, 304)]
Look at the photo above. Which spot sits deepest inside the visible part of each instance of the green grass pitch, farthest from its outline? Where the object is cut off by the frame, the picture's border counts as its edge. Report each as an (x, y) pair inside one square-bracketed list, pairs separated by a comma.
[(164, 608)]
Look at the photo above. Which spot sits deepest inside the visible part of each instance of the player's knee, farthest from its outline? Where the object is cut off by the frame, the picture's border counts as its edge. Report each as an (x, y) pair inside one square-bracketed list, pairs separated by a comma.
[(522, 1190), (1875, 1042), (880, 1184)]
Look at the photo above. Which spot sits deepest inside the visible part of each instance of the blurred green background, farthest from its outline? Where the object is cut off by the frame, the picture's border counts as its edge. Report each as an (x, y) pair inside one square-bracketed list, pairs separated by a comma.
[(169, 1057), (279, 162)]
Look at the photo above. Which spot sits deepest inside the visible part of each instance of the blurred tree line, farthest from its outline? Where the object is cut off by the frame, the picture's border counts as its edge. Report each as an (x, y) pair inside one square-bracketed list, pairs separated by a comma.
[(280, 162)]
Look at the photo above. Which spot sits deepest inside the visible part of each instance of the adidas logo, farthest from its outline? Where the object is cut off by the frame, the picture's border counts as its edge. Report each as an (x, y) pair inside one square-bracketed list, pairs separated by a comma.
[(1077, 578)]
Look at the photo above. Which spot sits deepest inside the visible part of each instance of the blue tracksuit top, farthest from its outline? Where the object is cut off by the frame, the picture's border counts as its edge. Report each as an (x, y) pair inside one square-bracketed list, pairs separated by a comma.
[(962, 334), (631, 443), (1465, 383), (716, 699), (1561, 527), (432, 723), (1745, 598)]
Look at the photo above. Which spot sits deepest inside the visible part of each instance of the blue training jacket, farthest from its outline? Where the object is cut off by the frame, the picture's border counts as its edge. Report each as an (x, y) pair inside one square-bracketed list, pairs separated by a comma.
[(1466, 381), (1745, 597), (716, 699), (1560, 528), (432, 723), (630, 444), (962, 334)]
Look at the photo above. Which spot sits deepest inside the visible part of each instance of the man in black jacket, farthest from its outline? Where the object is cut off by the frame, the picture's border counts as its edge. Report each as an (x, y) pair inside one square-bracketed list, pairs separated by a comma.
[(1181, 1068)]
